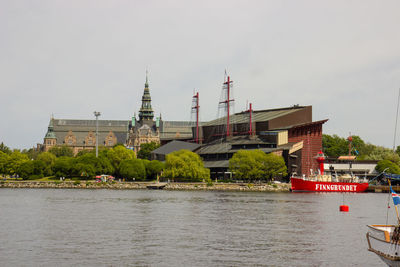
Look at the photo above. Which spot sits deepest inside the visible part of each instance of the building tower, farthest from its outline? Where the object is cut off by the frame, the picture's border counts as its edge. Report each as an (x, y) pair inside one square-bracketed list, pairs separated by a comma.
[(50, 139), (145, 130), (146, 112)]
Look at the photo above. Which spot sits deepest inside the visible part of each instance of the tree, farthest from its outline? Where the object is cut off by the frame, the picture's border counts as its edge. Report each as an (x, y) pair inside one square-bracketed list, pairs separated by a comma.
[(89, 165), (185, 165), (381, 153), (63, 167), (62, 151), (31, 153), (153, 168), (117, 155), (15, 160), (5, 149), (132, 168), (145, 150), (3, 162), (256, 165), (25, 170), (389, 166), (49, 159), (39, 168)]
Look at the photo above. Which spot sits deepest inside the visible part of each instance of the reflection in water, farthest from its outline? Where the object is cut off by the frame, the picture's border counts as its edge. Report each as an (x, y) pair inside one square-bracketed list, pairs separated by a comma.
[(167, 228)]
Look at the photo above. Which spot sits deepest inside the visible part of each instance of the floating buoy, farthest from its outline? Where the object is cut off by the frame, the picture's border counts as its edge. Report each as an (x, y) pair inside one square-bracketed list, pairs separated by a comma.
[(344, 208)]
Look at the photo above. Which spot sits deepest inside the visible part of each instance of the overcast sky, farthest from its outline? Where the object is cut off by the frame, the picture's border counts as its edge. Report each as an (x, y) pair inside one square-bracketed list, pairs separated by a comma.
[(70, 58)]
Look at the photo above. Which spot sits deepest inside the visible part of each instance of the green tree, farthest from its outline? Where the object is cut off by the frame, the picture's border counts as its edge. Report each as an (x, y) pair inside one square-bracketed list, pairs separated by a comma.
[(89, 165), (145, 150), (153, 168), (184, 165), (62, 151), (15, 160), (381, 153), (3, 162), (31, 153), (256, 165), (132, 168), (117, 155), (390, 167), (63, 167), (334, 146), (26, 169), (39, 168), (49, 159), (5, 149)]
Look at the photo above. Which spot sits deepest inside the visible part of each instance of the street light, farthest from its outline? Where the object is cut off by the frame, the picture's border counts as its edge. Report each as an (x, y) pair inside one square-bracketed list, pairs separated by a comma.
[(97, 114)]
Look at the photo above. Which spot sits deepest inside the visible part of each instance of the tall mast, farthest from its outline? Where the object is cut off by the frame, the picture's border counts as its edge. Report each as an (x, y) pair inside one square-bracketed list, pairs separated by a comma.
[(251, 123), (227, 102), (196, 108), (395, 127)]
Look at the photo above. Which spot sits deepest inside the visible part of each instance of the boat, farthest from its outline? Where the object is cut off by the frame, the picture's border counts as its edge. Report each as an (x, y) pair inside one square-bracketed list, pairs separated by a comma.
[(327, 182), (323, 183), (384, 240)]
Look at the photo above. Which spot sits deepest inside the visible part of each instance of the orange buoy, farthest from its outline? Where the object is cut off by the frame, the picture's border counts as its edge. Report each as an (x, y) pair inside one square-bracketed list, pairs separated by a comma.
[(344, 208)]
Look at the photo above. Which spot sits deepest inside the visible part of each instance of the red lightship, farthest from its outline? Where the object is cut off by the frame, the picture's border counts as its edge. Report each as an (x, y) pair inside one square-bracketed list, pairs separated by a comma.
[(328, 183)]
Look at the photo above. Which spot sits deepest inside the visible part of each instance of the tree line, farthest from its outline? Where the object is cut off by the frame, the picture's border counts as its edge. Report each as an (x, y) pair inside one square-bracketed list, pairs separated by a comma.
[(182, 165), (335, 146)]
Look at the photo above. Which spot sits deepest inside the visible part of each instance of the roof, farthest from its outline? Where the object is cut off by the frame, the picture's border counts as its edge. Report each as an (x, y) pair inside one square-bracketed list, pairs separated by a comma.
[(302, 125), (222, 147), (81, 128), (176, 130), (175, 146), (257, 115)]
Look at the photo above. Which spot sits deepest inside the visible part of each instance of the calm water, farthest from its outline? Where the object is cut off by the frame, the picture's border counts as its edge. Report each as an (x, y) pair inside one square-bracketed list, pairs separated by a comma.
[(45, 227)]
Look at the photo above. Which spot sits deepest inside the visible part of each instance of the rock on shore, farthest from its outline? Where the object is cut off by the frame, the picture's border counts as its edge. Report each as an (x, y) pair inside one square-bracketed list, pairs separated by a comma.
[(264, 187)]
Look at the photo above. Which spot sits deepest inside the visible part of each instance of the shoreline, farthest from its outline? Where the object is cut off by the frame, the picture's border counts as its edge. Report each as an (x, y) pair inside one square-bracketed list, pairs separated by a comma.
[(245, 187)]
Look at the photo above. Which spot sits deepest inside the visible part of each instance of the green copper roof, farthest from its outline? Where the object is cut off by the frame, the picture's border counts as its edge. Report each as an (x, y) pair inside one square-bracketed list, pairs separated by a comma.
[(50, 131)]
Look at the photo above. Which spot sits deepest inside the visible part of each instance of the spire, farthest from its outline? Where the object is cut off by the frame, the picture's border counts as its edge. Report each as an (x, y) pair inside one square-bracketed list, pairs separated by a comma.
[(50, 130), (146, 85), (146, 111)]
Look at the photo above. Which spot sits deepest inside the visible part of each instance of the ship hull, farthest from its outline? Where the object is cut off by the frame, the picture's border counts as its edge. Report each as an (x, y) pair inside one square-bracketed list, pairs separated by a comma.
[(299, 184)]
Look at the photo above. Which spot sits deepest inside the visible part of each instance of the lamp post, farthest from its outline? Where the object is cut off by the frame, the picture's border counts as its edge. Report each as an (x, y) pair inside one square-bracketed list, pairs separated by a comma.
[(97, 114)]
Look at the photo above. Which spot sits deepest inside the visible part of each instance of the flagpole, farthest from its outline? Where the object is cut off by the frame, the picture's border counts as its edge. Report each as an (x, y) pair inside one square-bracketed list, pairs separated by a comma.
[(395, 206)]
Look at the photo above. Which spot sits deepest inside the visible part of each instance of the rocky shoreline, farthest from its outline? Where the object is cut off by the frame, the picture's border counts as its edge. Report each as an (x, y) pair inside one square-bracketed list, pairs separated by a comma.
[(247, 187)]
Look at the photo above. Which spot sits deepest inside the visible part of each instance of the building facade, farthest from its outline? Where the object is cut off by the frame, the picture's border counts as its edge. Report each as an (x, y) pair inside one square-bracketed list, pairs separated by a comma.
[(81, 134)]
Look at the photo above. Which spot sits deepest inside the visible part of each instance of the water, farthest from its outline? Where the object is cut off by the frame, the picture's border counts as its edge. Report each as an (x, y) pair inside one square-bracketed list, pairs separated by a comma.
[(54, 227)]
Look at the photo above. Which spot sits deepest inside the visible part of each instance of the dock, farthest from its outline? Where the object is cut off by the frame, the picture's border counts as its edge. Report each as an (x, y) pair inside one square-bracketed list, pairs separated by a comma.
[(382, 188)]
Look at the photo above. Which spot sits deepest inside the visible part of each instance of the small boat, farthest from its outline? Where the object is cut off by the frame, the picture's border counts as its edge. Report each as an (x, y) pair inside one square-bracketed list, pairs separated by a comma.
[(384, 240), (328, 183)]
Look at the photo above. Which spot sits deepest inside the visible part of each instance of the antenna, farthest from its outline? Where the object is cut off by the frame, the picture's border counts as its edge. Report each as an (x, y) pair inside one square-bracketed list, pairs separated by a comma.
[(395, 127)]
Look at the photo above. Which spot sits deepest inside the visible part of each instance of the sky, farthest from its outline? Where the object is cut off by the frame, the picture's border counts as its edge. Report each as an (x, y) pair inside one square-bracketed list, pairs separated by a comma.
[(70, 58)]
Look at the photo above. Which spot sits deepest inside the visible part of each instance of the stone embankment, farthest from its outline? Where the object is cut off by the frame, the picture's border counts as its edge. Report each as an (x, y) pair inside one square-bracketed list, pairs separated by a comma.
[(283, 187)]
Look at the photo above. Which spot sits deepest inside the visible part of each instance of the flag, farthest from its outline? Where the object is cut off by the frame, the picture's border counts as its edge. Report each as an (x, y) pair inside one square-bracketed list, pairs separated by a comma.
[(395, 196)]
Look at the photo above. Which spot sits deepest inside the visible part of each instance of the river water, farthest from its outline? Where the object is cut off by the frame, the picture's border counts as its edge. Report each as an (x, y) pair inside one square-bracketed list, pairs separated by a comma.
[(56, 227)]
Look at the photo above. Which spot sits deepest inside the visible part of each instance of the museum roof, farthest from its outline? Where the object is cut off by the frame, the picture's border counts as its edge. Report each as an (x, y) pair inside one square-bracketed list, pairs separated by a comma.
[(257, 115)]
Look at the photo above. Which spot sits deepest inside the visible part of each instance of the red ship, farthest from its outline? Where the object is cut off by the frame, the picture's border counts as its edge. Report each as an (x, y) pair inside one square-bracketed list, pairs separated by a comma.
[(328, 183)]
